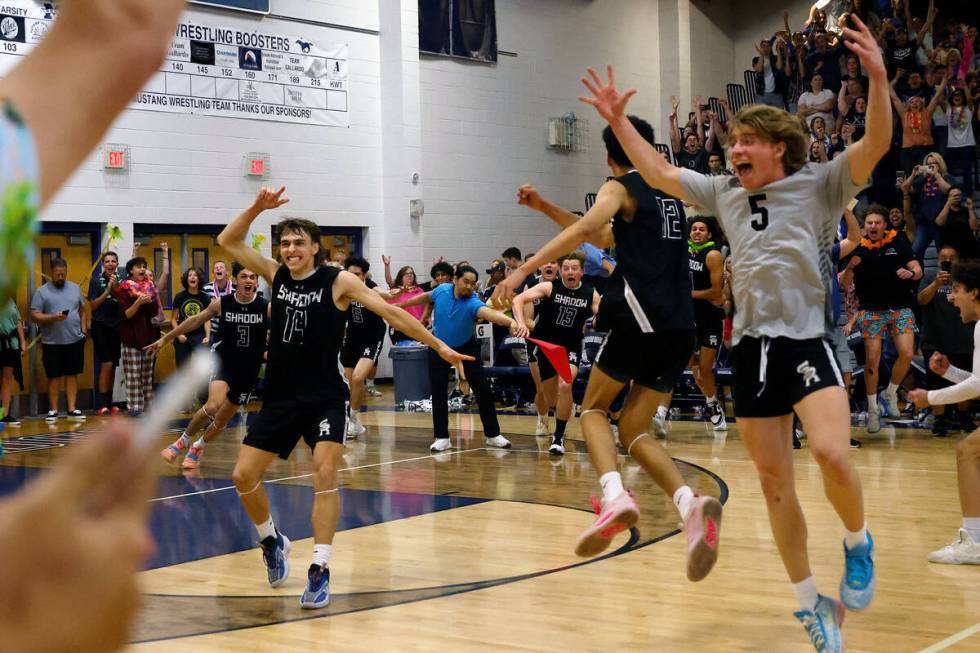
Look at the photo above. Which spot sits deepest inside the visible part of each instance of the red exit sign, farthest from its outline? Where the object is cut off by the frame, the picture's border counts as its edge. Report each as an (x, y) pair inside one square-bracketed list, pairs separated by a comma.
[(256, 164), (256, 167), (116, 157)]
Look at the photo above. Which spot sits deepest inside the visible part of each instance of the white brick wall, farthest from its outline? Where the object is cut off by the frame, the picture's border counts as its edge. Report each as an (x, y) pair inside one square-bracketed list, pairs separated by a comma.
[(484, 128)]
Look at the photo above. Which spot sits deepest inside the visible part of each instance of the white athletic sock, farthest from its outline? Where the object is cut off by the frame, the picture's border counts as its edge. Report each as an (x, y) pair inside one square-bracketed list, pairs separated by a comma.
[(201, 443), (612, 485), (873, 404), (806, 593), (684, 500), (541, 417), (857, 538), (892, 390), (662, 412), (267, 529), (713, 399), (183, 440), (321, 554), (972, 526)]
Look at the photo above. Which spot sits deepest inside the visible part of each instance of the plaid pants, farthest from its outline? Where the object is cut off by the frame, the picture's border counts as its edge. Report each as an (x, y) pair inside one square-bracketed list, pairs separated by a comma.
[(138, 370)]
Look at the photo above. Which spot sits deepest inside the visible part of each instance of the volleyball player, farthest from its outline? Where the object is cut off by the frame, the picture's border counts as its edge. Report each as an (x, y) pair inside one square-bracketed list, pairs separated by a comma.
[(240, 341), (563, 306), (306, 393), (363, 341), (782, 359), (648, 313), (707, 265)]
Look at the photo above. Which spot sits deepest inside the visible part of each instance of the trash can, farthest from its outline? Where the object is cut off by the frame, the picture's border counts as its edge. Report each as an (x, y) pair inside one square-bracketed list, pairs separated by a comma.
[(410, 367)]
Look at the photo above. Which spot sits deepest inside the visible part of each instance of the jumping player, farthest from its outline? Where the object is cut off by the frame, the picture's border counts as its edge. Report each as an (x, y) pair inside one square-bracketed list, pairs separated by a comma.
[(648, 313), (781, 355)]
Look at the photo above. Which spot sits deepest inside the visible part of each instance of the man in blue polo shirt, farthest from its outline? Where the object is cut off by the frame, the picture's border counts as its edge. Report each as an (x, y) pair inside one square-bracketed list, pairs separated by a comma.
[(456, 308)]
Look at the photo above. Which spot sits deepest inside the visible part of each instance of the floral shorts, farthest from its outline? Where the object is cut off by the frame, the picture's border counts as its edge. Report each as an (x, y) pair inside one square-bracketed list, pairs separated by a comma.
[(899, 321)]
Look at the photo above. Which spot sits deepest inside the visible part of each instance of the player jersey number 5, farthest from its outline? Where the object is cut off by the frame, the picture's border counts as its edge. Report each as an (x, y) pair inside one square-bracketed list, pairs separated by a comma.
[(760, 219)]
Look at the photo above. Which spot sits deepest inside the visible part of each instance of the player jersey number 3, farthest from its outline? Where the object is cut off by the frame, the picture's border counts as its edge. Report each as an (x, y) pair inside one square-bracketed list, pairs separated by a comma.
[(295, 325), (761, 213)]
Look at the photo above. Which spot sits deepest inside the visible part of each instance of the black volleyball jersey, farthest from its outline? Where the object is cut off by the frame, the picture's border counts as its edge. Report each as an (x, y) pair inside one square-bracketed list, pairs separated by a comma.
[(651, 283), (304, 341), (562, 315), (701, 278), (362, 323), (242, 331)]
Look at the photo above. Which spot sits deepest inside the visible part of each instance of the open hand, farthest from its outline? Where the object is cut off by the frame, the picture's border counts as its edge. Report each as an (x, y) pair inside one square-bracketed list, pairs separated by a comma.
[(861, 42), (451, 356), (386, 260), (504, 291), (609, 102)]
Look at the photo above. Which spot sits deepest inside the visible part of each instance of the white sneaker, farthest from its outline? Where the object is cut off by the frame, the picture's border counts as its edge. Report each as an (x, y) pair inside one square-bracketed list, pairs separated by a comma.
[(500, 442), (659, 427), (355, 428), (76, 415), (717, 417), (874, 422), (557, 448), (441, 444), (541, 428), (962, 551), (52, 416), (890, 404)]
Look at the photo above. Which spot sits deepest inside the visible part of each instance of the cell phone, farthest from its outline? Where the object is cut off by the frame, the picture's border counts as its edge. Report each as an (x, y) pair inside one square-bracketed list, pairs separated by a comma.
[(899, 178), (946, 266), (931, 168), (64, 312)]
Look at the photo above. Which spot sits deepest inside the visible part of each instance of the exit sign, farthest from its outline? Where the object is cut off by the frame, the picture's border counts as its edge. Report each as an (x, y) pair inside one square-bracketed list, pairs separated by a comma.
[(255, 6), (257, 165), (116, 157)]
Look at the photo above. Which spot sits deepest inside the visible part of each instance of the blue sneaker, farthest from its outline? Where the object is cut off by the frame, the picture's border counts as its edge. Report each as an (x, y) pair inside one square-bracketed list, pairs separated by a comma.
[(317, 592), (857, 587), (275, 553), (823, 624)]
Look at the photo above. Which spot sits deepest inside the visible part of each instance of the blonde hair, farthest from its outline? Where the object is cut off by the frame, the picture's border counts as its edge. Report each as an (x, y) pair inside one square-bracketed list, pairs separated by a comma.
[(941, 166), (777, 126)]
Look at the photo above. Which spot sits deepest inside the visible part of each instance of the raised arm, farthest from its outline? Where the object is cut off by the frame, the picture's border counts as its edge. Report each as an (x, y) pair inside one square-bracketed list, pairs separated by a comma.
[(927, 25), (675, 134), (161, 279), (528, 195), (610, 199), (611, 105), (863, 156), (853, 239), (937, 97), (699, 119), (58, 90), (390, 280), (232, 237)]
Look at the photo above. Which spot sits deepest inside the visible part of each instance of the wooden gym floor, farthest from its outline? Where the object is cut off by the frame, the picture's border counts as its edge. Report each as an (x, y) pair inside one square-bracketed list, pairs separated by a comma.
[(472, 549)]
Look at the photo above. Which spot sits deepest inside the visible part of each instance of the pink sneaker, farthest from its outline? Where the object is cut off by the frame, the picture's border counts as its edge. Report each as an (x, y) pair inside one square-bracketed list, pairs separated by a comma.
[(615, 516), (193, 458), (703, 531), (172, 452)]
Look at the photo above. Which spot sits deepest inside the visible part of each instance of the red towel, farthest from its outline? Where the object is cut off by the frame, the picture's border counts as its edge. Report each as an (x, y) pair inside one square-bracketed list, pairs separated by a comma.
[(557, 356)]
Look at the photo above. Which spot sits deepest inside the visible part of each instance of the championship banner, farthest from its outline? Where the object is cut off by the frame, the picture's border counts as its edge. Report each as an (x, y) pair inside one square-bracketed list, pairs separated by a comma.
[(232, 70)]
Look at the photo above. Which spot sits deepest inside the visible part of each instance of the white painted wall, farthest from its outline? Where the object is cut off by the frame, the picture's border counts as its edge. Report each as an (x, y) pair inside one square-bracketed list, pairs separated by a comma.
[(484, 128)]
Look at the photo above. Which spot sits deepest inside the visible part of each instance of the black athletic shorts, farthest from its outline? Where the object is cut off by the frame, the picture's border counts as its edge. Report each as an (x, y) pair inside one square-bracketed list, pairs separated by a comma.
[(241, 381), (10, 358), (279, 426), (774, 374), (63, 360), (358, 347), (545, 368), (108, 346), (653, 360), (710, 327)]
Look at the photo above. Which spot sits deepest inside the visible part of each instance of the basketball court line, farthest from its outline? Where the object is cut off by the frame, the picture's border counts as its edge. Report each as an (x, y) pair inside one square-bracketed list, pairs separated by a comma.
[(343, 469), (953, 639)]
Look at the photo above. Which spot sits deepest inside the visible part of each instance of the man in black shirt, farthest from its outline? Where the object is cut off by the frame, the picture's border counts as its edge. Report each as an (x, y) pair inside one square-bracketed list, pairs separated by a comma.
[(363, 342), (105, 329), (648, 312), (243, 323), (885, 273), (563, 306), (306, 393)]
